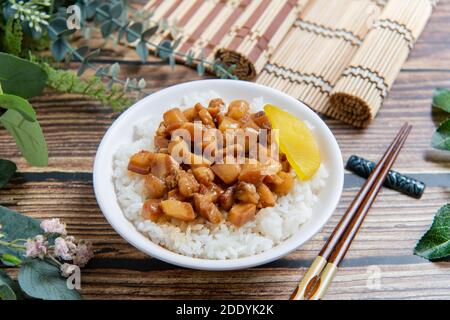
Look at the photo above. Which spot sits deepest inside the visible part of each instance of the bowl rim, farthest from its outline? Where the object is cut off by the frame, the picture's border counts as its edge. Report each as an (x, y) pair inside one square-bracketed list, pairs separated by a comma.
[(156, 251)]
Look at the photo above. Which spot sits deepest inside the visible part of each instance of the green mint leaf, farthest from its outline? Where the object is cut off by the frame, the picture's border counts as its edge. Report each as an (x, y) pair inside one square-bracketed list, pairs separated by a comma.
[(435, 244), (42, 280), (7, 170), (21, 77), (441, 99), (9, 101), (441, 138), (29, 137)]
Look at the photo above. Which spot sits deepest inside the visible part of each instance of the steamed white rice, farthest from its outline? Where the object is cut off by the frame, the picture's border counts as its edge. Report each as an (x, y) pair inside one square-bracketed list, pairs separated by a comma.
[(204, 240)]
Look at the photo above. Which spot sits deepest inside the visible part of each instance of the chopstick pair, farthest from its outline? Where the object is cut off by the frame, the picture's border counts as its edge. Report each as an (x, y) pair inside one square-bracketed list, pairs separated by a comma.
[(315, 282)]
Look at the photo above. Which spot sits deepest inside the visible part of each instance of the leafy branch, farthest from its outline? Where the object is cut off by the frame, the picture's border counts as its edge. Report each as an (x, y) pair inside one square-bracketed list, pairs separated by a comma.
[(108, 15), (19, 80), (68, 82), (110, 19)]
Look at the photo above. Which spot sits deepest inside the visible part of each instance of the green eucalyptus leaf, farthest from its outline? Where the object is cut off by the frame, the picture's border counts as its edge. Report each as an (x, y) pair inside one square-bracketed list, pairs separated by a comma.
[(100, 72), (201, 64), (149, 32), (107, 28), (116, 10), (12, 102), (134, 32), (441, 99), (115, 70), (133, 83), (82, 68), (165, 50), (176, 43), (82, 51), (7, 170), (91, 8), (201, 68), (142, 51), (57, 27), (10, 260), (435, 244), (17, 226), (59, 49), (21, 77), (42, 280), (441, 138), (142, 84), (122, 32), (172, 61), (190, 58), (103, 12), (28, 136)]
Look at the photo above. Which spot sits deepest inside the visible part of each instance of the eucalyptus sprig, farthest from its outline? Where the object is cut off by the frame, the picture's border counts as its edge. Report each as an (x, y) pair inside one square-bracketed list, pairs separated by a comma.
[(62, 50), (108, 15), (109, 18)]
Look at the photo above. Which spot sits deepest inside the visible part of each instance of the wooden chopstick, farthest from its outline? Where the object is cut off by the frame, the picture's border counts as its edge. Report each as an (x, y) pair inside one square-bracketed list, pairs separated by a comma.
[(318, 277)]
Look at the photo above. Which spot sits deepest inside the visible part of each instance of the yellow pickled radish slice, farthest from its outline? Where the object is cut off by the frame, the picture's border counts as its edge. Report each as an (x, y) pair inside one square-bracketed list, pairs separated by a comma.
[(296, 141)]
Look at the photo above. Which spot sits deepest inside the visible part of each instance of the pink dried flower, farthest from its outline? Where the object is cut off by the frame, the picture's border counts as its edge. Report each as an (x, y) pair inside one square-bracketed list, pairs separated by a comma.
[(64, 248), (54, 226), (67, 269), (83, 253), (36, 247)]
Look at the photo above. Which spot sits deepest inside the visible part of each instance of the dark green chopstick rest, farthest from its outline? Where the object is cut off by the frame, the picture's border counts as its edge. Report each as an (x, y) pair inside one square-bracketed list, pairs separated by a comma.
[(396, 181)]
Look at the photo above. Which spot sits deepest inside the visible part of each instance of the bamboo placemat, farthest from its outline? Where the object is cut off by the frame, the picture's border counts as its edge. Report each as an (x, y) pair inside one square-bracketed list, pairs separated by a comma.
[(340, 57), (366, 81)]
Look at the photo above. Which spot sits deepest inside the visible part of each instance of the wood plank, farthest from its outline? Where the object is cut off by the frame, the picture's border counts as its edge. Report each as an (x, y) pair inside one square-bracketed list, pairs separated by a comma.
[(415, 281), (392, 228), (434, 44)]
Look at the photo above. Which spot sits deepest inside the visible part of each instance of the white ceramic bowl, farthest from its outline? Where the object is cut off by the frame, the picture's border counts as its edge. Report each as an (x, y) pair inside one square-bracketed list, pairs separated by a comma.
[(121, 132)]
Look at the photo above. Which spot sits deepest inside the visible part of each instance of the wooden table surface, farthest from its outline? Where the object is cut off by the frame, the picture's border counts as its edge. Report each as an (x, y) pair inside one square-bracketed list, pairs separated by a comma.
[(380, 263)]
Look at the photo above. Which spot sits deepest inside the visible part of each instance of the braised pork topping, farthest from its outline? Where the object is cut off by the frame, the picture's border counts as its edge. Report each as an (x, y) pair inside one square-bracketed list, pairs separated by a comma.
[(212, 162)]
